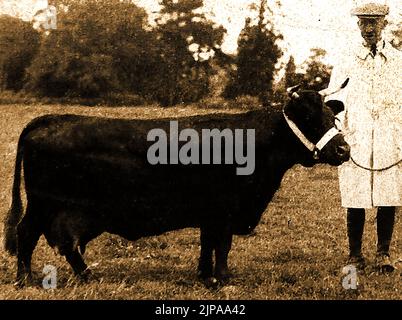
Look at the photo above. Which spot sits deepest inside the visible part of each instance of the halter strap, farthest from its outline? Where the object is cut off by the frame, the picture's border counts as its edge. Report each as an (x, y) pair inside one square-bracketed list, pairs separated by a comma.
[(327, 137), (309, 145)]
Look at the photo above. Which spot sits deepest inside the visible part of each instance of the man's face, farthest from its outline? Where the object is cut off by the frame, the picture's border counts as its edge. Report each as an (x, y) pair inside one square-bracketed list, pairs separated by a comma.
[(371, 28)]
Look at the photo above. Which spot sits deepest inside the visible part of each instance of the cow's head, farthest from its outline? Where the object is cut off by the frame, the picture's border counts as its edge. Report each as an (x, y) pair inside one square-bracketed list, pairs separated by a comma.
[(313, 125)]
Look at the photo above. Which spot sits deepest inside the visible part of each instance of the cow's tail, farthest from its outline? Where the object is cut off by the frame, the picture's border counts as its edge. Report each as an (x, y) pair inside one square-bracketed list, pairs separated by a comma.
[(16, 210), (15, 213)]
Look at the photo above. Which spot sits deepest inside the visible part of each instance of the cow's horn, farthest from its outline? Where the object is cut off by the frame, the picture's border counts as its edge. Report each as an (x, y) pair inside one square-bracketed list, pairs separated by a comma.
[(326, 92), (345, 83), (292, 91)]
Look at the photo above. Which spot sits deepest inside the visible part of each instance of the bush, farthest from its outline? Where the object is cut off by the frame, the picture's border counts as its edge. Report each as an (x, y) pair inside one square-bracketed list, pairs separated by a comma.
[(247, 101), (95, 50), (19, 43), (67, 74)]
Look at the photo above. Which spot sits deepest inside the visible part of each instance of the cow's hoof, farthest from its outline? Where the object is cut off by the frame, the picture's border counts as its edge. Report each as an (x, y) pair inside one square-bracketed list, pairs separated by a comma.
[(224, 278), (23, 281), (203, 275), (86, 276), (384, 264), (19, 284), (211, 283)]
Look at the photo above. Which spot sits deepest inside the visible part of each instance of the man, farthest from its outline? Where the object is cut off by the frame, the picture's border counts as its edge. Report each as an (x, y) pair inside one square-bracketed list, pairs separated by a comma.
[(372, 123)]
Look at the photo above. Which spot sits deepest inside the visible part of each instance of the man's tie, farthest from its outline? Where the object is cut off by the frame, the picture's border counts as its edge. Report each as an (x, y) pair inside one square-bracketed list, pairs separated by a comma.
[(374, 50)]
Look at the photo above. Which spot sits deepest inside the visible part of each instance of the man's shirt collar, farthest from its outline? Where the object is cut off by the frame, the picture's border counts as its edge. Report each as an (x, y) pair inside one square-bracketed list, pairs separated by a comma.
[(364, 52)]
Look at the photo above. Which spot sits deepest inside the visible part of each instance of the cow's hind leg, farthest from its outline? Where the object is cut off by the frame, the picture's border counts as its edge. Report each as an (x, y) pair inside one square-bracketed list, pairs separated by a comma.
[(78, 265), (222, 249), (28, 233)]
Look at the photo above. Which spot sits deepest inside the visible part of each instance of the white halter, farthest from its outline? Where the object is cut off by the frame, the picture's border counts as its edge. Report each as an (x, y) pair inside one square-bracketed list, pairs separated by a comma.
[(327, 137)]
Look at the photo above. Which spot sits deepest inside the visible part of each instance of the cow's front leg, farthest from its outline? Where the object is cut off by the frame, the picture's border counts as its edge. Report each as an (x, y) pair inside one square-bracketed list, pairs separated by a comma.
[(222, 249)]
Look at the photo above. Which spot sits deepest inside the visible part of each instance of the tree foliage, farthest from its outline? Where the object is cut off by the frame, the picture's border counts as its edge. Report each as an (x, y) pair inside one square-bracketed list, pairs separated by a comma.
[(258, 53), (97, 48), (292, 77), (185, 43), (19, 43), (101, 46), (317, 74)]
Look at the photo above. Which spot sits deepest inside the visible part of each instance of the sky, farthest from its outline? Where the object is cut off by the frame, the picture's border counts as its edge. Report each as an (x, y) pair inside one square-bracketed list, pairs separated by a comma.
[(305, 24)]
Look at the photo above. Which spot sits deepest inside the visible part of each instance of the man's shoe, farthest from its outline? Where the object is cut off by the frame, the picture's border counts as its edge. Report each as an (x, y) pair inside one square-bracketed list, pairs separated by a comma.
[(358, 262), (384, 264)]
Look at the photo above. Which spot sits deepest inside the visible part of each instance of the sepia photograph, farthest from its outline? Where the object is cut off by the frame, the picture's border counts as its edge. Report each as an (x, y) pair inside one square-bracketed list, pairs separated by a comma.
[(217, 152)]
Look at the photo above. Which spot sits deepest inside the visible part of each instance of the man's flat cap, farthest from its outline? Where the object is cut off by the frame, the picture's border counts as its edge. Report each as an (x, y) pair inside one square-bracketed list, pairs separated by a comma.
[(371, 10)]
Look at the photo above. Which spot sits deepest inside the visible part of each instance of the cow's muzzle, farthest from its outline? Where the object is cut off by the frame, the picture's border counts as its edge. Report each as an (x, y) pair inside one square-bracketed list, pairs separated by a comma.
[(343, 152)]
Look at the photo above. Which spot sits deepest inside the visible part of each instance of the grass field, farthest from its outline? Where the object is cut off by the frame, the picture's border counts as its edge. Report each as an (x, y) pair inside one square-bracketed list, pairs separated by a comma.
[(298, 250)]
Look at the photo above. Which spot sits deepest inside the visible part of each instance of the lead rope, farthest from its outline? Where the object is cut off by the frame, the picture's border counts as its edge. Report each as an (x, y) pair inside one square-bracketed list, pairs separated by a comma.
[(376, 170), (371, 169)]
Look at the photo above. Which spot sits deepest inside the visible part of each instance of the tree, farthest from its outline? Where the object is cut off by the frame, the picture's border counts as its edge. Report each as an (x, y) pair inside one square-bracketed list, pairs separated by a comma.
[(257, 56), (185, 43), (19, 43), (99, 47), (290, 71), (292, 77), (317, 73)]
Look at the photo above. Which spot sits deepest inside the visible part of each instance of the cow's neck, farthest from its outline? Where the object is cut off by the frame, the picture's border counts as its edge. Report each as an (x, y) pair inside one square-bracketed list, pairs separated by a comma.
[(285, 144), (275, 154)]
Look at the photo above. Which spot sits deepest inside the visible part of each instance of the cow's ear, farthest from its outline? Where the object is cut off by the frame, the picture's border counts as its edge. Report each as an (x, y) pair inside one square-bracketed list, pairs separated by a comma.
[(336, 106)]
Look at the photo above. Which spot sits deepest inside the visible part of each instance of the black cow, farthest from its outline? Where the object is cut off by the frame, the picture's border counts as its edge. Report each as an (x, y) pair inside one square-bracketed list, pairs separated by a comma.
[(89, 175)]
